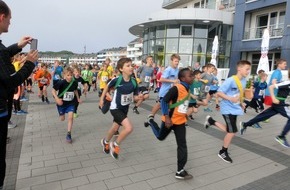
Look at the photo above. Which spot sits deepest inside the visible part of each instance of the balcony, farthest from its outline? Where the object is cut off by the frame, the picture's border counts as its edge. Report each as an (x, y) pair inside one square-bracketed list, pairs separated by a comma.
[(169, 4), (257, 33)]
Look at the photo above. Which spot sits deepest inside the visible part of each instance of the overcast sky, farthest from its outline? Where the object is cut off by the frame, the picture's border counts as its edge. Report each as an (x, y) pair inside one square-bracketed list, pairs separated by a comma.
[(72, 24)]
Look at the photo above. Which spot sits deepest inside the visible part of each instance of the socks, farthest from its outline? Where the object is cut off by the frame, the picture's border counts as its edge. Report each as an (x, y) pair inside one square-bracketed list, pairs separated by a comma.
[(211, 121), (224, 149)]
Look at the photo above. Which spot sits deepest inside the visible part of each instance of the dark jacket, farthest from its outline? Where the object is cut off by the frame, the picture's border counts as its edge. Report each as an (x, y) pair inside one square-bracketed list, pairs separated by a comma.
[(9, 79)]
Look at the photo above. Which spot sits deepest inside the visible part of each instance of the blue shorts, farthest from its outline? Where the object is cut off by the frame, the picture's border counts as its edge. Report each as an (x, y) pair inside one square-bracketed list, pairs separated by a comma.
[(65, 109)]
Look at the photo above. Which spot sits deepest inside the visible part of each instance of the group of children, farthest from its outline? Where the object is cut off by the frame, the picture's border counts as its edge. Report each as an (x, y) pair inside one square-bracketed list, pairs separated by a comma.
[(181, 93)]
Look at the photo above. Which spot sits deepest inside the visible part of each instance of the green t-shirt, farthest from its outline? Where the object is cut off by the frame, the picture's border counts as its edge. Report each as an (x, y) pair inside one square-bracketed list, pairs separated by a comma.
[(195, 90)]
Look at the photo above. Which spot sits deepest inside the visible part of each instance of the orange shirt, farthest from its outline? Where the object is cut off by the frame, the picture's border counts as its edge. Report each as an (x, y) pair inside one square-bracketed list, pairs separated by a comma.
[(179, 115), (45, 77)]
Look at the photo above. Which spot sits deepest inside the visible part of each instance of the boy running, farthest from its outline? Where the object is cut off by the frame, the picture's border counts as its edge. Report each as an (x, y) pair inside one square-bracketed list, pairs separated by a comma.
[(124, 94), (231, 92), (43, 77), (174, 107), (64, 92)]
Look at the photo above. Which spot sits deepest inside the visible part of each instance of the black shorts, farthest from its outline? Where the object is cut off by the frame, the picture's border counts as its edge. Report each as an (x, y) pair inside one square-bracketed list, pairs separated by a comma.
[(190, 105), (41, 87), (211, 92), (231, 121), (29, 82), (118, 116), (143, 90)]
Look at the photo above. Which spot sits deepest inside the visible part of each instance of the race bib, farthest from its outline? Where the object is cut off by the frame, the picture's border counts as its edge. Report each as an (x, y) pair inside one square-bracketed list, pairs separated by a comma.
[(68, 96), (80, 85), (104, 78), (94, 78), (183, 107), (196, 91), (57, 77), (206, 88), (261, 92), (126, 99), (43, 81), (147, 79)]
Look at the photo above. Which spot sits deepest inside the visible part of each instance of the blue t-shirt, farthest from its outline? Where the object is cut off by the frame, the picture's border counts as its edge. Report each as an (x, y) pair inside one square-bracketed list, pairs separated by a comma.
[(277, 74), (123, 94), (230, 88), (171, 74), (57, 73)]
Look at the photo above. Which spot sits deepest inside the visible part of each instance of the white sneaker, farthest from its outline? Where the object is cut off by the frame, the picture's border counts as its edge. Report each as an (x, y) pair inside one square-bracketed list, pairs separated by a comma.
[(11, 125)]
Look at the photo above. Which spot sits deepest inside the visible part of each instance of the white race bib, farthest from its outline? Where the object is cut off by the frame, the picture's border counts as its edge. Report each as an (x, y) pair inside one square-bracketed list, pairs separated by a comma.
[(104, 78), (183, 107), (43, 81), (206, 88), (68, 96), (147, 79), (196, 91), (126, 99), (261, 92), (287, 101)]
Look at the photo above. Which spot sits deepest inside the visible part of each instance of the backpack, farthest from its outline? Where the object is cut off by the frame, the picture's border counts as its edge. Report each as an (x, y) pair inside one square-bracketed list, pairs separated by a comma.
[(107, 103)]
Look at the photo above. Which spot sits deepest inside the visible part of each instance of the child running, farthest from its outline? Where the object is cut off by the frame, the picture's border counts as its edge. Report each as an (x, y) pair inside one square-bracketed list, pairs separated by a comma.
[(43, 77), (81, 84), (124, 94), (174, 107), (64, 92), (231, 92)]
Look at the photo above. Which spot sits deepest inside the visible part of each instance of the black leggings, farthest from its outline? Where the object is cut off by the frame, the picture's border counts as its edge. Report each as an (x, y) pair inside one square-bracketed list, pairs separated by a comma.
[(180, 136)]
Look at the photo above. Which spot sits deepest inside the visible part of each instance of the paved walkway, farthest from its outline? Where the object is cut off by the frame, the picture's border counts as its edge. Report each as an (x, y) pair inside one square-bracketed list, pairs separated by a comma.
[(48, 162)]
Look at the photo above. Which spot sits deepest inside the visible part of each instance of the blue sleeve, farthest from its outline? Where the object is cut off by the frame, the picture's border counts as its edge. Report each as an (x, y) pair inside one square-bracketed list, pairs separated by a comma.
[(112, 83), (226, 85), (166, 73)]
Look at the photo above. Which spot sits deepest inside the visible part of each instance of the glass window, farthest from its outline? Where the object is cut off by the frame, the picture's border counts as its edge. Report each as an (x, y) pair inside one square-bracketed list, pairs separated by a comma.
[(281, 19), (199, 45), (145, 47), (173, 30), (186, 31), (226, 33), (152, 33), (200, 31), (160, 31), (167, 59), (151, 45), (185, 45), (159, 46), (146, 34), (172, 45), (185, 60), (197, 5)]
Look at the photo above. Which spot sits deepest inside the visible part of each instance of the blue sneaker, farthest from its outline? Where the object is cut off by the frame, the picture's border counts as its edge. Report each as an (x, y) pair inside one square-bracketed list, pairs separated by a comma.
[(21, 112), (23, 99), (68, 138), (242, 128), (282, 141), (256, 126)]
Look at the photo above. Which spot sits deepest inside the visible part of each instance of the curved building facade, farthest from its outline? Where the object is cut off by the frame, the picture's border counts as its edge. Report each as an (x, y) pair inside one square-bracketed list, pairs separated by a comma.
[(189, 32)]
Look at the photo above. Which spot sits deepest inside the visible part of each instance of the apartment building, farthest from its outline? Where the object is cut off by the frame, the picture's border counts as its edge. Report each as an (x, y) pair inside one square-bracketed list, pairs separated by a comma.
[(251, 18), (113, 53)]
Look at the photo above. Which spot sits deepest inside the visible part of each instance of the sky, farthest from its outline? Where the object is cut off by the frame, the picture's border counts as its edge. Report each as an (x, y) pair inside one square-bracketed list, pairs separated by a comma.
[(73, 24)]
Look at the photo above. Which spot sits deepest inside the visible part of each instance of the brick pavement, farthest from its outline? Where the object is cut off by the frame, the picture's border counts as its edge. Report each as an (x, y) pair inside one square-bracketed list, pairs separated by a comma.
[(48, 162)]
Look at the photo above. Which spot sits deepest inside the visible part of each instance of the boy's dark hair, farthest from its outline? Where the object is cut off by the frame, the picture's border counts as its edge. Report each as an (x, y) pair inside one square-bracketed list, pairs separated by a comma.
[(121, 62), (68, 70), (261, 71), (196, 72), (182, 72), (4, 9), (43, 65), (280, 61), (243, 62)]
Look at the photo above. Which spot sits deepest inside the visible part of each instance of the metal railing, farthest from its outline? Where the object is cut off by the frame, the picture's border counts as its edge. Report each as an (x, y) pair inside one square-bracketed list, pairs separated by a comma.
[(256, 33)]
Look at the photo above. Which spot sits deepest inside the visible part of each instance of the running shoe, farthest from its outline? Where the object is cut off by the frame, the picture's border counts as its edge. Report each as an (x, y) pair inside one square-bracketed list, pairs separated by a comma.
[(225, 156), (114, 150), (47, 101), (282, 141), (206, 123), (256, 126), (23, 99), (191, 118), (68, 138), (135, 110), (106, 148), (183, 175), (11, 125), (21, 112), (242, 128), (75, 115)]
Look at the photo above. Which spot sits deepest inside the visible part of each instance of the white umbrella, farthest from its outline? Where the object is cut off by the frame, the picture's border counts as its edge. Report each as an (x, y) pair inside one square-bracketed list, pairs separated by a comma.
[(264, 62), (214, 51)]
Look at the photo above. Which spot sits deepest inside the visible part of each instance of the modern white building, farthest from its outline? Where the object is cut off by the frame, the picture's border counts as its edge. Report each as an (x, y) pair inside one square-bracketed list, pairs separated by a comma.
[(188, 27), (134, 51), (113, 53)]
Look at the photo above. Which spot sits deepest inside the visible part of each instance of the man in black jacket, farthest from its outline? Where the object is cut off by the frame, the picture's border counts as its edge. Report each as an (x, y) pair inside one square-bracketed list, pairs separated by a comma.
[(9, 79)]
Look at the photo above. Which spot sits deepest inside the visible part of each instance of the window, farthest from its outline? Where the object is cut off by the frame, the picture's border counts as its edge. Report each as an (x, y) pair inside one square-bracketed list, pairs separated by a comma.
[(185, 31), (172, 45), (173, 30), (160, 31), (185, 45)]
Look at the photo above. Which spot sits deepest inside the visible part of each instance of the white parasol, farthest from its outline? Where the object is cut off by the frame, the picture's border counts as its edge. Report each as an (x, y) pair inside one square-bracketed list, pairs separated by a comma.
[(264, 62), (214, 51)]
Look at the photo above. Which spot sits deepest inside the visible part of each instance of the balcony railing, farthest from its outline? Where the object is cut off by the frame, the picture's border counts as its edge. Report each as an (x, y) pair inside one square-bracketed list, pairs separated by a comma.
[(256, 33)]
